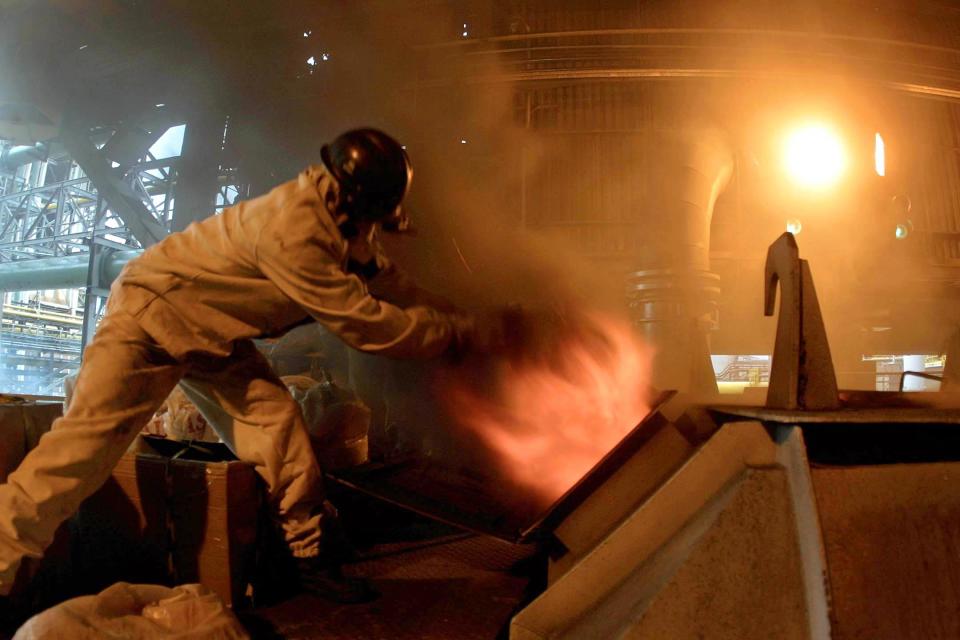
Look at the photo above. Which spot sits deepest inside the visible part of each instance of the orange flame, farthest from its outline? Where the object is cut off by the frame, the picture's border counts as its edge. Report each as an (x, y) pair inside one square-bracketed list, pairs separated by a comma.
[(549, 422)]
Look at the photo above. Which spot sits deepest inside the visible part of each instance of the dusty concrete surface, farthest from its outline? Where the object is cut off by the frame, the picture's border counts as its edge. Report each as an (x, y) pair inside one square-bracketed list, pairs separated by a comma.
[(743, 580), (892, 538)]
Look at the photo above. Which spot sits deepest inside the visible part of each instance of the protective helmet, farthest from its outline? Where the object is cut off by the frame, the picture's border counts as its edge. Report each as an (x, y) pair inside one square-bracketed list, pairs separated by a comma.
[(372, 171)]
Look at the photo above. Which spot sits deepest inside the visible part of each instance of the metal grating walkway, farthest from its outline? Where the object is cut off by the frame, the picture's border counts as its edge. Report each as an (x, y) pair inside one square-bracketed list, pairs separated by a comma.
[(462, 586)]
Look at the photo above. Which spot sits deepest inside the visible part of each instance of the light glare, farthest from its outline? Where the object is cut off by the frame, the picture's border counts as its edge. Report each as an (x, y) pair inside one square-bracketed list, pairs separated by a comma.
[(879, 156), (814, 156)]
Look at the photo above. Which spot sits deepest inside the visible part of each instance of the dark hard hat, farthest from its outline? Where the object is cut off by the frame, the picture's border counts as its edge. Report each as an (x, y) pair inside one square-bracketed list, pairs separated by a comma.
[(372, 171)]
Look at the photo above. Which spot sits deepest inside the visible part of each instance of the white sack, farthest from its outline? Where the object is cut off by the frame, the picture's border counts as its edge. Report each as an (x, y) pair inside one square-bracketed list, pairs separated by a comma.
[(137, 612)]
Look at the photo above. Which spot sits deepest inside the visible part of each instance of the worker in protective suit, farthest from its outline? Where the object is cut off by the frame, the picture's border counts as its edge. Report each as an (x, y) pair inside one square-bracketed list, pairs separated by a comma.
[(186, 312)]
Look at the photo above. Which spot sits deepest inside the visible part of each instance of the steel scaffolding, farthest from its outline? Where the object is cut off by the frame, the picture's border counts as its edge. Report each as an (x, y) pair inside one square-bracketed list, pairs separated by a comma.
[(51, 208), (84, 197)]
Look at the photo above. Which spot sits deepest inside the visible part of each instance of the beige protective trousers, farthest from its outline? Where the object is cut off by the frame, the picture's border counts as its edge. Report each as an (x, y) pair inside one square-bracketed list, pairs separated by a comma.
[(124, 378)]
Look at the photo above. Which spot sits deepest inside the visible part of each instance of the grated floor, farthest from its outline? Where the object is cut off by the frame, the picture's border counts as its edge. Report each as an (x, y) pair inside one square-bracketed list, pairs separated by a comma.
[(462, 586)]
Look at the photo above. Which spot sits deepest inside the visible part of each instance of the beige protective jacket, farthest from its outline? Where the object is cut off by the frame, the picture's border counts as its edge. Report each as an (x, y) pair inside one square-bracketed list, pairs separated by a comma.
[(266, 265)]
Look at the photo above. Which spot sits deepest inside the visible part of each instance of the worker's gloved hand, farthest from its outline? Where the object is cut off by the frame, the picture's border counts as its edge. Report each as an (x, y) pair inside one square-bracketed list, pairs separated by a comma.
[(363, 252), (533, 334), (506, 331), (546, 335), (480, 333), (362, 246)]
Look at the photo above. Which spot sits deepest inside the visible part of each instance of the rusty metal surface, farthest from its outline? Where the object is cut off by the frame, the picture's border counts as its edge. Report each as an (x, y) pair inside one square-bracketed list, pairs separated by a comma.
[(891, 535), (476, 504), (459, 587)]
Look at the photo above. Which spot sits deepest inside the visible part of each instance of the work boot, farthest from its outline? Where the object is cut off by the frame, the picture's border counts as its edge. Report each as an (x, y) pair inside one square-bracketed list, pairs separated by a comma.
[(323, 575), (325, 579), (335, 545)]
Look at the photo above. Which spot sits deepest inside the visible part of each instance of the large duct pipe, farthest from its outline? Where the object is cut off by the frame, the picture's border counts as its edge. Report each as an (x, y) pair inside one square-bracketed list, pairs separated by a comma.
[(13, 157), (60, 273), (672, 293)]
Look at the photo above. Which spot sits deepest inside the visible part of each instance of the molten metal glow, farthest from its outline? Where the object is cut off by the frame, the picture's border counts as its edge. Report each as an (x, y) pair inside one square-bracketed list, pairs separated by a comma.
[(814, 156), (549, 420)]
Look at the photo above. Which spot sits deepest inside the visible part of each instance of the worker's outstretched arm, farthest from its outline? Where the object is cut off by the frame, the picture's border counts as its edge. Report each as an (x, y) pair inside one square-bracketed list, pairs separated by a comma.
[(394, 285), (302, 253)]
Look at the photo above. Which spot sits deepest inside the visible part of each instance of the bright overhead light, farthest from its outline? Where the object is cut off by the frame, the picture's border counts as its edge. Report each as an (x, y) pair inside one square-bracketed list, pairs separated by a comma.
[(814, 156), (794, 226)]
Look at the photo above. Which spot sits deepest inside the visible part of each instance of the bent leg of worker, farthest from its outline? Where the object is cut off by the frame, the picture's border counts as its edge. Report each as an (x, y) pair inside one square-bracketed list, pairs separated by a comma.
[(251, 410), (124, 378)]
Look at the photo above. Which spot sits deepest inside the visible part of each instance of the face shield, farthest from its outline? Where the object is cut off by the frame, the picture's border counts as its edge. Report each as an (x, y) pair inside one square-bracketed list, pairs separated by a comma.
[(398, 222)]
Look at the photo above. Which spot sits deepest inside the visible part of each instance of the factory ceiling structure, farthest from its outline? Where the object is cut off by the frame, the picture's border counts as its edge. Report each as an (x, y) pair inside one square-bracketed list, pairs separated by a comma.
[(646, 137)]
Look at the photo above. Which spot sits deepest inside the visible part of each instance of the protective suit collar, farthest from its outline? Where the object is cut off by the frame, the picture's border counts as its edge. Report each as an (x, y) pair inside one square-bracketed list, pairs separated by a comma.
[(325, 183)]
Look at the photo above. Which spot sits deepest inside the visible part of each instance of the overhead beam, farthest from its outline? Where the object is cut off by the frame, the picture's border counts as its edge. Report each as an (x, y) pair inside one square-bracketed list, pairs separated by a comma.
[(199, 170), (121, 198)]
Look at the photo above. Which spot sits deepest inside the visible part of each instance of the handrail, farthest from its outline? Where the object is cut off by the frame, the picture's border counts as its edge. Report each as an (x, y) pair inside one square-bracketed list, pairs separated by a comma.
[(919, 374)]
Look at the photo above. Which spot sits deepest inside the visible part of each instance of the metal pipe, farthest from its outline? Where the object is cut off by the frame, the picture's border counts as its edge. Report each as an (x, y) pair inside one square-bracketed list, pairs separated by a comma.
[(13, 157), (672, 292), (59, 273)]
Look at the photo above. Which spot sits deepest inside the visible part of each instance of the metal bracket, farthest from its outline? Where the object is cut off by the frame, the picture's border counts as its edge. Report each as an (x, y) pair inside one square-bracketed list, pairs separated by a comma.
[(801, 375)]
